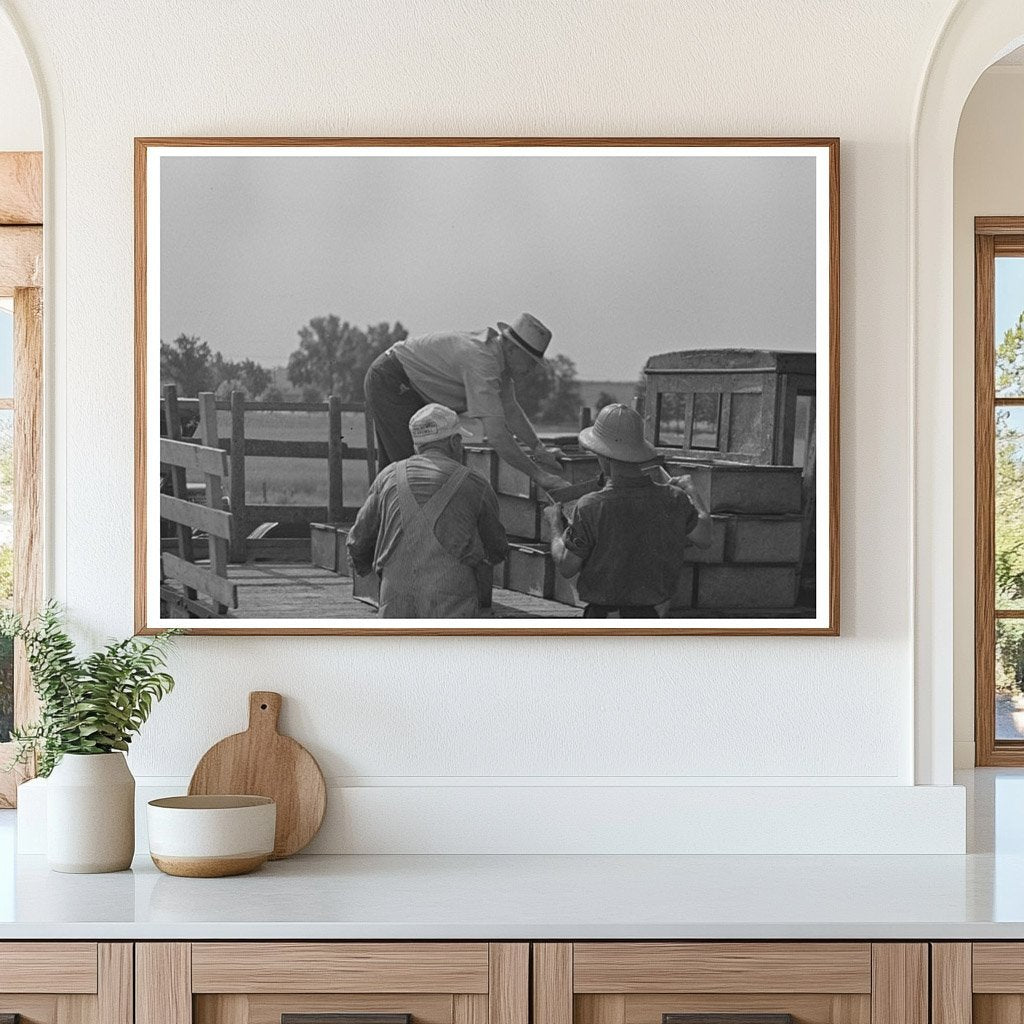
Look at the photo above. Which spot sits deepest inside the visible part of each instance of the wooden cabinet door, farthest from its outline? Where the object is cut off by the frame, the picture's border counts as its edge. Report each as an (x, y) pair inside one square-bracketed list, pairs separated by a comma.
[(66, 982), (978, 983), (730, 983), (332, 983)]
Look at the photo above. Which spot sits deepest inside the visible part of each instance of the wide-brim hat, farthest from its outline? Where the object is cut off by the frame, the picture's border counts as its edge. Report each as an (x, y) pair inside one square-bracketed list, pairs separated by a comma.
[(618, 433), (528, 333)]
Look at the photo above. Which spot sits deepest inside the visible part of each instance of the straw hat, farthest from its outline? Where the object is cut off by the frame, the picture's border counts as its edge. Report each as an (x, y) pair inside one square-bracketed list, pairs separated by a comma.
[(618, 433), (528, 333)]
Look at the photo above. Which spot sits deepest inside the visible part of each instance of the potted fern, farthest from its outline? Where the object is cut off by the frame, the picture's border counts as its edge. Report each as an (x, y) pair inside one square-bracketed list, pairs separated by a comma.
[(90, 708)]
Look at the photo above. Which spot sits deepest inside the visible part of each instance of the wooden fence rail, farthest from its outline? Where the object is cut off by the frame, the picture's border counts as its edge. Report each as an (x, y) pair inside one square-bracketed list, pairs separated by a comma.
[(236, 448), (188, 587)]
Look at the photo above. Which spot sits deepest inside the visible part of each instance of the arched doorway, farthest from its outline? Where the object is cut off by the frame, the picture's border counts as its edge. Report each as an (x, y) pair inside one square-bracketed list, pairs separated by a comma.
[(976, 34)]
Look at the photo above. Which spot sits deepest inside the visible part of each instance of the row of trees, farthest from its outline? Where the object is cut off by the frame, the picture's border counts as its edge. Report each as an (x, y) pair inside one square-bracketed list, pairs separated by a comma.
[(332, 358), (194, 367)]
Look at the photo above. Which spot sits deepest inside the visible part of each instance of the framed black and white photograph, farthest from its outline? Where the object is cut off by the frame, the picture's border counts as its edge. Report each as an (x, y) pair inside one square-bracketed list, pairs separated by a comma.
[(487, 386)]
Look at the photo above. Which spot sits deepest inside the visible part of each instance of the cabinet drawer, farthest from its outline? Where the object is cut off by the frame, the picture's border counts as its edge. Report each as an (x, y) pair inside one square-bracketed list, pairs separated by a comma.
[(332, 983), (634, 967), (67, 967), (340, 967), (66, 982), (730, 983)]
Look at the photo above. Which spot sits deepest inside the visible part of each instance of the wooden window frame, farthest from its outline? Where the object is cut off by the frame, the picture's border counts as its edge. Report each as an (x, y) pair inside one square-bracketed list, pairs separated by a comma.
[(993, 237), (718, 422), (21, 278)]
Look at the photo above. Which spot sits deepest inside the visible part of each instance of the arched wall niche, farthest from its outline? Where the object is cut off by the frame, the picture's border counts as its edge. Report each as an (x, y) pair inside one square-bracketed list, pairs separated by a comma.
[(21, 121), (975, 35)]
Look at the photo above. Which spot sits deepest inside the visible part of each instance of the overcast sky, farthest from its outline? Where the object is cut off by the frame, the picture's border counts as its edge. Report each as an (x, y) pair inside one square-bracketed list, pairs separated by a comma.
[(622, 257)]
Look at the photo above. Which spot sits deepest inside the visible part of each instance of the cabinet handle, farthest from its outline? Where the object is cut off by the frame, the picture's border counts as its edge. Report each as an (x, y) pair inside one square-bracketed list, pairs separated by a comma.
[(337, 1018), (727, 1018)]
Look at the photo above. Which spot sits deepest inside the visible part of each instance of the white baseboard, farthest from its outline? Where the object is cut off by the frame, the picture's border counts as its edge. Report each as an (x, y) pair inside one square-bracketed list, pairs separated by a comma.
[(525, 819)]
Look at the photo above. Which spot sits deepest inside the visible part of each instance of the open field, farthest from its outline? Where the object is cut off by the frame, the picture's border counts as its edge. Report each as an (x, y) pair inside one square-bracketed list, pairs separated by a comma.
[(278, 481)]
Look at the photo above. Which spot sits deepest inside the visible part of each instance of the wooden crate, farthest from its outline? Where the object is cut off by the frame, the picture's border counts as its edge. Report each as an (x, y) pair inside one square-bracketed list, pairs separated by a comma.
[(578, 467), (530, 570), (765, 539), (514, 482), (522, 517), (746, 586), (484, 461), (740, 488), (327, 547)]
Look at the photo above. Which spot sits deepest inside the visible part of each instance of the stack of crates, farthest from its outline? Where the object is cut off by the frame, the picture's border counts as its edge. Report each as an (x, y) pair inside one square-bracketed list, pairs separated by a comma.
[(757, 538), (757, 533)]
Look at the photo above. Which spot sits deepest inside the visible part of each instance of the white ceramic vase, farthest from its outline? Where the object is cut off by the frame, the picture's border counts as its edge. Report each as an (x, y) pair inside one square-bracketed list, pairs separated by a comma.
[(90, 814)]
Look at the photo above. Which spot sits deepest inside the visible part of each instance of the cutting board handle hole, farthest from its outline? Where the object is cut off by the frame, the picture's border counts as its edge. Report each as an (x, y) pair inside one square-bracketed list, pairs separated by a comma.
[(263, 707)]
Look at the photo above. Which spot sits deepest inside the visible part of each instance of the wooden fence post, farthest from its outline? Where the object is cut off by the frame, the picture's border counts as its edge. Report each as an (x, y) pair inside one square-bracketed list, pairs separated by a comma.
[(237, 471), (217, 546), (371, 446), (335, 461), (179, 485)]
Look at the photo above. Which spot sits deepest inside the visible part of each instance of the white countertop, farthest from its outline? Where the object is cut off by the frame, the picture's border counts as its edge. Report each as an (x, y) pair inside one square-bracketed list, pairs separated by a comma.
[(977, 896), (516, 897)]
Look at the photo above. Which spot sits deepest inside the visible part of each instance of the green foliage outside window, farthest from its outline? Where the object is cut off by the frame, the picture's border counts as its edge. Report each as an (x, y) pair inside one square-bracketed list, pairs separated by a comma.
[(1009, 509)]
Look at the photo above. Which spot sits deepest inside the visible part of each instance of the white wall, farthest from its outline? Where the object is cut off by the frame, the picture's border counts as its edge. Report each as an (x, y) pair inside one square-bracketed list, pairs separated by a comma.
[(987, 181), (445, 714), (21, 127)]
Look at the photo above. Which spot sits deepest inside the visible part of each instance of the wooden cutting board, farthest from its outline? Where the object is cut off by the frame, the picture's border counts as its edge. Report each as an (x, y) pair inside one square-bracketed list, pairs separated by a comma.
[(262, 762)]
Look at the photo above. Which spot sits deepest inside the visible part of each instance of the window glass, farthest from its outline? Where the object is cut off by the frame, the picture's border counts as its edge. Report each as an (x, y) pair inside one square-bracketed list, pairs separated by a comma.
[(707, 409), (1009, 679), (6, 353), (671, 420), (1008, 510), (745, 423), (1009, 323), (1009, 524)]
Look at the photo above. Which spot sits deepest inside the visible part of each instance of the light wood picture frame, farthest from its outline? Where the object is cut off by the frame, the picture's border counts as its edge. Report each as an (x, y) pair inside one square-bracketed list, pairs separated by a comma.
[(640, 252)]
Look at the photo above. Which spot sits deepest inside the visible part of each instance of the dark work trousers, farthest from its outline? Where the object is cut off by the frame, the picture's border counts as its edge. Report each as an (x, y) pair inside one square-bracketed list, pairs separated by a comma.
[(626, 611), (392, 400)]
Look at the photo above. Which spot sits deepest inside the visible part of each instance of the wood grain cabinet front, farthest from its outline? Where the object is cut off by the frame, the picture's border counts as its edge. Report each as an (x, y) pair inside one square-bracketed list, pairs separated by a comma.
[(730, 983), (332, 983), (978, 983), (66, 982)]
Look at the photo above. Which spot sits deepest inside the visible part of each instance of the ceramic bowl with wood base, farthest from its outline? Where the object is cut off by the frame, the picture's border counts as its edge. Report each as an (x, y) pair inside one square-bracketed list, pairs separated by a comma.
[(211, 836)]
